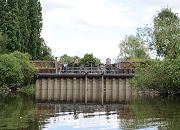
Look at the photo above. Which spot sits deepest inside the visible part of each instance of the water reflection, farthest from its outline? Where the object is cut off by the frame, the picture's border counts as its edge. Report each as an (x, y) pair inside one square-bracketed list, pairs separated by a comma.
[(158, 113), (22, 113), (17, 113)]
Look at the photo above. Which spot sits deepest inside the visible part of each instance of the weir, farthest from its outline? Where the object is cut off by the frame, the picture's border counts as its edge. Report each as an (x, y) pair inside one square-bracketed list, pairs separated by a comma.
[(86, 88)]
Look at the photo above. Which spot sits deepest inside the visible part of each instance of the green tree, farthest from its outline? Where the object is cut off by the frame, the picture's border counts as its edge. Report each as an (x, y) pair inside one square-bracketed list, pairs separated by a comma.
[(131, 48), (68, 59), (35, 27), (164, 36), (167, 34), (2, 12), (3, 44), (45, 52), (89, 59), (21, 25), (24, 32), (11, 29)]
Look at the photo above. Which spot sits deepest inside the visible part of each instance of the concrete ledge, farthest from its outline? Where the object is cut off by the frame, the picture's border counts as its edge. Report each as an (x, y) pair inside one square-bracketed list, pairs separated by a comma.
[(83, 75)]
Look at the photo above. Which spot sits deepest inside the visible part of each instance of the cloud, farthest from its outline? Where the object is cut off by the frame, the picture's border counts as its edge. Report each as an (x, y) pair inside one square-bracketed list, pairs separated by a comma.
[(161, 3), (76, 27), (94, 13)]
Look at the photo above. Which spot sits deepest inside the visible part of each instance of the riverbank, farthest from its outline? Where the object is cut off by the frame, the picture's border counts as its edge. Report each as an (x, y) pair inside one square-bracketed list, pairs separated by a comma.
[(26, 90)]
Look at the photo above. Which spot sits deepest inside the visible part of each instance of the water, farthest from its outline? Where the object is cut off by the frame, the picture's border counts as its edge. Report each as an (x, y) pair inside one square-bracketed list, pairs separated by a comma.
[(24, 113)]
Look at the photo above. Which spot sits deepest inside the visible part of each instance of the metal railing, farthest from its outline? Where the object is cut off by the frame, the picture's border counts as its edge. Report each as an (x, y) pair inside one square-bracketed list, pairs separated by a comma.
[(96, 70)]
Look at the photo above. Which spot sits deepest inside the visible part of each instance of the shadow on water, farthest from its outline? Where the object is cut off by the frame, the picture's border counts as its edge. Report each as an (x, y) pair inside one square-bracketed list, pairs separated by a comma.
[(23, 113)]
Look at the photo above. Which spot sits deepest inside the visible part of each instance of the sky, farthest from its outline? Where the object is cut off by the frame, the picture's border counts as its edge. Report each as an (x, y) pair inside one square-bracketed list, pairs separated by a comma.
[(77, 27)]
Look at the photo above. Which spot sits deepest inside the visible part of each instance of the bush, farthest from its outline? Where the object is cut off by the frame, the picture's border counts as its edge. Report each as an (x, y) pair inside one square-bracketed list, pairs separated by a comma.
[(28, 70), (15, 68), (163, 76), (10, 70)]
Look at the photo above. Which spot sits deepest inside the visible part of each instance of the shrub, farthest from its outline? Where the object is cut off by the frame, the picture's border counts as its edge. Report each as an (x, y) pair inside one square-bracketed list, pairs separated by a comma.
[(10, 70), (163, 76), (28, 69), (15, 68)]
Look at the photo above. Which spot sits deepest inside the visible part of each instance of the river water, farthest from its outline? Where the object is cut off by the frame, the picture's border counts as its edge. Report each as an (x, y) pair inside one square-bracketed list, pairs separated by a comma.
[(20, 112)]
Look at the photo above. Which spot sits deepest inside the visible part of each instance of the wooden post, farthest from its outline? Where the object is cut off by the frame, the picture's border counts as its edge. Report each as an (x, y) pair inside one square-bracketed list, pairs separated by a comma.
[(44, 93), (81, 93), (57, 89), (86, 84), (102, 90), (38, 88), (74, 89)]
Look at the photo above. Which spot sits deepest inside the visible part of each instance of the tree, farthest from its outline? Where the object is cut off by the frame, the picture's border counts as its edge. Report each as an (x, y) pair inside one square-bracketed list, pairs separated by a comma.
[(21, 25), (131, 48), (167, 34), (164, 36), (89, 59), (45, 52), (10, 27), (68, 59), (2, 12), (3, 44), (24, 32), (35, 26)]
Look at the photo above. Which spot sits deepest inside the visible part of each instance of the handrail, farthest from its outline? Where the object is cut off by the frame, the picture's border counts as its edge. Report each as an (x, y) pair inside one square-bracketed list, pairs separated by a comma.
[(96, 70)]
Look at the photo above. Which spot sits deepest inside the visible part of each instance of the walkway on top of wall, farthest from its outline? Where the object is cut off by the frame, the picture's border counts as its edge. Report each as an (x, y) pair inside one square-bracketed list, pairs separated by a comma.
[(83, 75)]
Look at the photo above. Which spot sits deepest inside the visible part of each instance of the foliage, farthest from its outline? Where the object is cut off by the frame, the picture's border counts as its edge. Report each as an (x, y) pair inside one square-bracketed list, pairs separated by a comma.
[(167, 34), (164, 36), (68, 59), (35, 27), (3, 44), (15, 68), (28, 70), (45, 52), (10, 70), (131, 48), (21, 25), (28, 90), (24, 33), (89, 59), (145, 34), (163, 76)]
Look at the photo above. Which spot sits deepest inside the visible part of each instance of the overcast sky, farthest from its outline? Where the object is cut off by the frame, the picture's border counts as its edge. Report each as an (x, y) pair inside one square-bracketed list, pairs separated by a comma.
[(76, 27)]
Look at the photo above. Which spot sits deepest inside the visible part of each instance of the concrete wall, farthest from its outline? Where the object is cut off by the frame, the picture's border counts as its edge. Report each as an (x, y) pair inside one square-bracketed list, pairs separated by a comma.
[(87, 90)]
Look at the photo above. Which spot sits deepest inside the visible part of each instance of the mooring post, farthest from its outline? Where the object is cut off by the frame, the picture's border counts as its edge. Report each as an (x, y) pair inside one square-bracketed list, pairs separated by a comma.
[(102, 90), (86, 84)]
